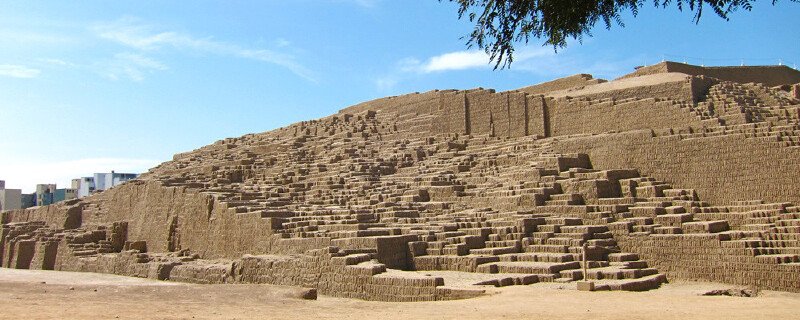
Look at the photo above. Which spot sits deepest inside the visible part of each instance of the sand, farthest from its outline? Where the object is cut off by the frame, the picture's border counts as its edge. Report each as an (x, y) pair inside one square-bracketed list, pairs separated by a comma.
[(620, 84), (27, 294)]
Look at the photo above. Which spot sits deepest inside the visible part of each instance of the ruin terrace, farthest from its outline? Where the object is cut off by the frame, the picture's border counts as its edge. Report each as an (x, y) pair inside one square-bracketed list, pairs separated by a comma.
[(671, 172)]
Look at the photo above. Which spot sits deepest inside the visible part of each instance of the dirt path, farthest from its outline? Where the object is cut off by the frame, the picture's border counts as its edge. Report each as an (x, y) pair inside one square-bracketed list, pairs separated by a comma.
[(64, 295)]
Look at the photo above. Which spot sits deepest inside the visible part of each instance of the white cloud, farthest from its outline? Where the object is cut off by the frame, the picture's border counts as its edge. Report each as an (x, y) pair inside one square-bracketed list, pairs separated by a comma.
[(463, 60), (543, 62), (26, 175), (139, 37), (129, 32), (130, 65), (457, 61), (18, 71), (282, 43), (452, 61), (58, 62)]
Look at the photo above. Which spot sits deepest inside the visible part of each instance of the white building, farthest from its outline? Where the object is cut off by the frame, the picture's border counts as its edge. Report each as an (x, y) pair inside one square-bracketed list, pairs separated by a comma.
[(101, 181), (10, 199), (85, 186)]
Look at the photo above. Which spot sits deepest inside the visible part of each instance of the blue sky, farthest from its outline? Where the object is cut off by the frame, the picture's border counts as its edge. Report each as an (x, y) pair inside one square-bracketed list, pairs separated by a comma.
[(94, 86)]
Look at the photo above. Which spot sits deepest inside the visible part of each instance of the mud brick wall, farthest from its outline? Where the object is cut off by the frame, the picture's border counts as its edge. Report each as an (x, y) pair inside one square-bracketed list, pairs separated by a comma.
[(484, 112), (538, 116), (126, 263), (497, 114), (482, 107), (768, 75), (296, 245), (517, 114), (680, 90), (452, 263), (302, 270), (591, 190), (451, 116), (202, 273), (65, 215), (705, 258), (577, 116), (17, 246), (332, 276), (748, 168), (391, 250), (21, 254), (201, 224), (44, 256), (424, 103)]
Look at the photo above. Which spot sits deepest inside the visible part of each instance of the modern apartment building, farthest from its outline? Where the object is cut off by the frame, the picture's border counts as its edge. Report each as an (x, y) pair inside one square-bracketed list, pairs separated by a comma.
[(100, 182), (10, 199)]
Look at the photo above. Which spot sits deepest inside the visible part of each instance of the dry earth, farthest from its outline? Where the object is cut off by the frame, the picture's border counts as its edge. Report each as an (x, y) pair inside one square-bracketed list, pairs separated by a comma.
[(620, 84), (26, 294)]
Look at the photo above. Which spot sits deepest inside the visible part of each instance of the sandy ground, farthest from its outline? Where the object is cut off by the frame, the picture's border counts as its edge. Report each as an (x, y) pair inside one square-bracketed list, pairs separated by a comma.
[(28, 294), (620, 84)]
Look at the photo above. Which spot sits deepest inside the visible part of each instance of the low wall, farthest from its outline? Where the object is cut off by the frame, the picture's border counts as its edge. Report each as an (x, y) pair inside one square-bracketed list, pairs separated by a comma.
[(320, 269), (705, 258), (768, 75), (722, 169)]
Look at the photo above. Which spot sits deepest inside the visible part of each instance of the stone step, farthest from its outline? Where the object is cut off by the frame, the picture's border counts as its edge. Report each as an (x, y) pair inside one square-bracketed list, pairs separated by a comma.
[(545, 257), (705, 226), (561, 241), (583, 229), (495, 251), (638, 264), (622, 257), (788, 223), (778, 258), (527, 267), (615, 273), (547, 249), (641, 284), (673, 220)]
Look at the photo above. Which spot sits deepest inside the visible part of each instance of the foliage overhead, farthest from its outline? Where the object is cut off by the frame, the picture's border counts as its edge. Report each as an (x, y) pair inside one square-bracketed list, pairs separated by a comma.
[(500, 23)]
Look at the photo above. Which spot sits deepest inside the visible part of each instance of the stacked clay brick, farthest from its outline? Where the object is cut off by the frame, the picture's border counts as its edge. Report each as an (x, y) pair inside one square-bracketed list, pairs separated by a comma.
[(512, 188)]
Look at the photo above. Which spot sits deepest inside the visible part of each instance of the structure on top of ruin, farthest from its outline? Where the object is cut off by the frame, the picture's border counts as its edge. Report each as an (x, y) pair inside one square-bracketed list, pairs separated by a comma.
[(671, 172)]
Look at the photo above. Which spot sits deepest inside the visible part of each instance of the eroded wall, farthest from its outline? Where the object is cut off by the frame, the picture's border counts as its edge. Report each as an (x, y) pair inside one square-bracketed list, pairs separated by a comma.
[(167, 219)]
